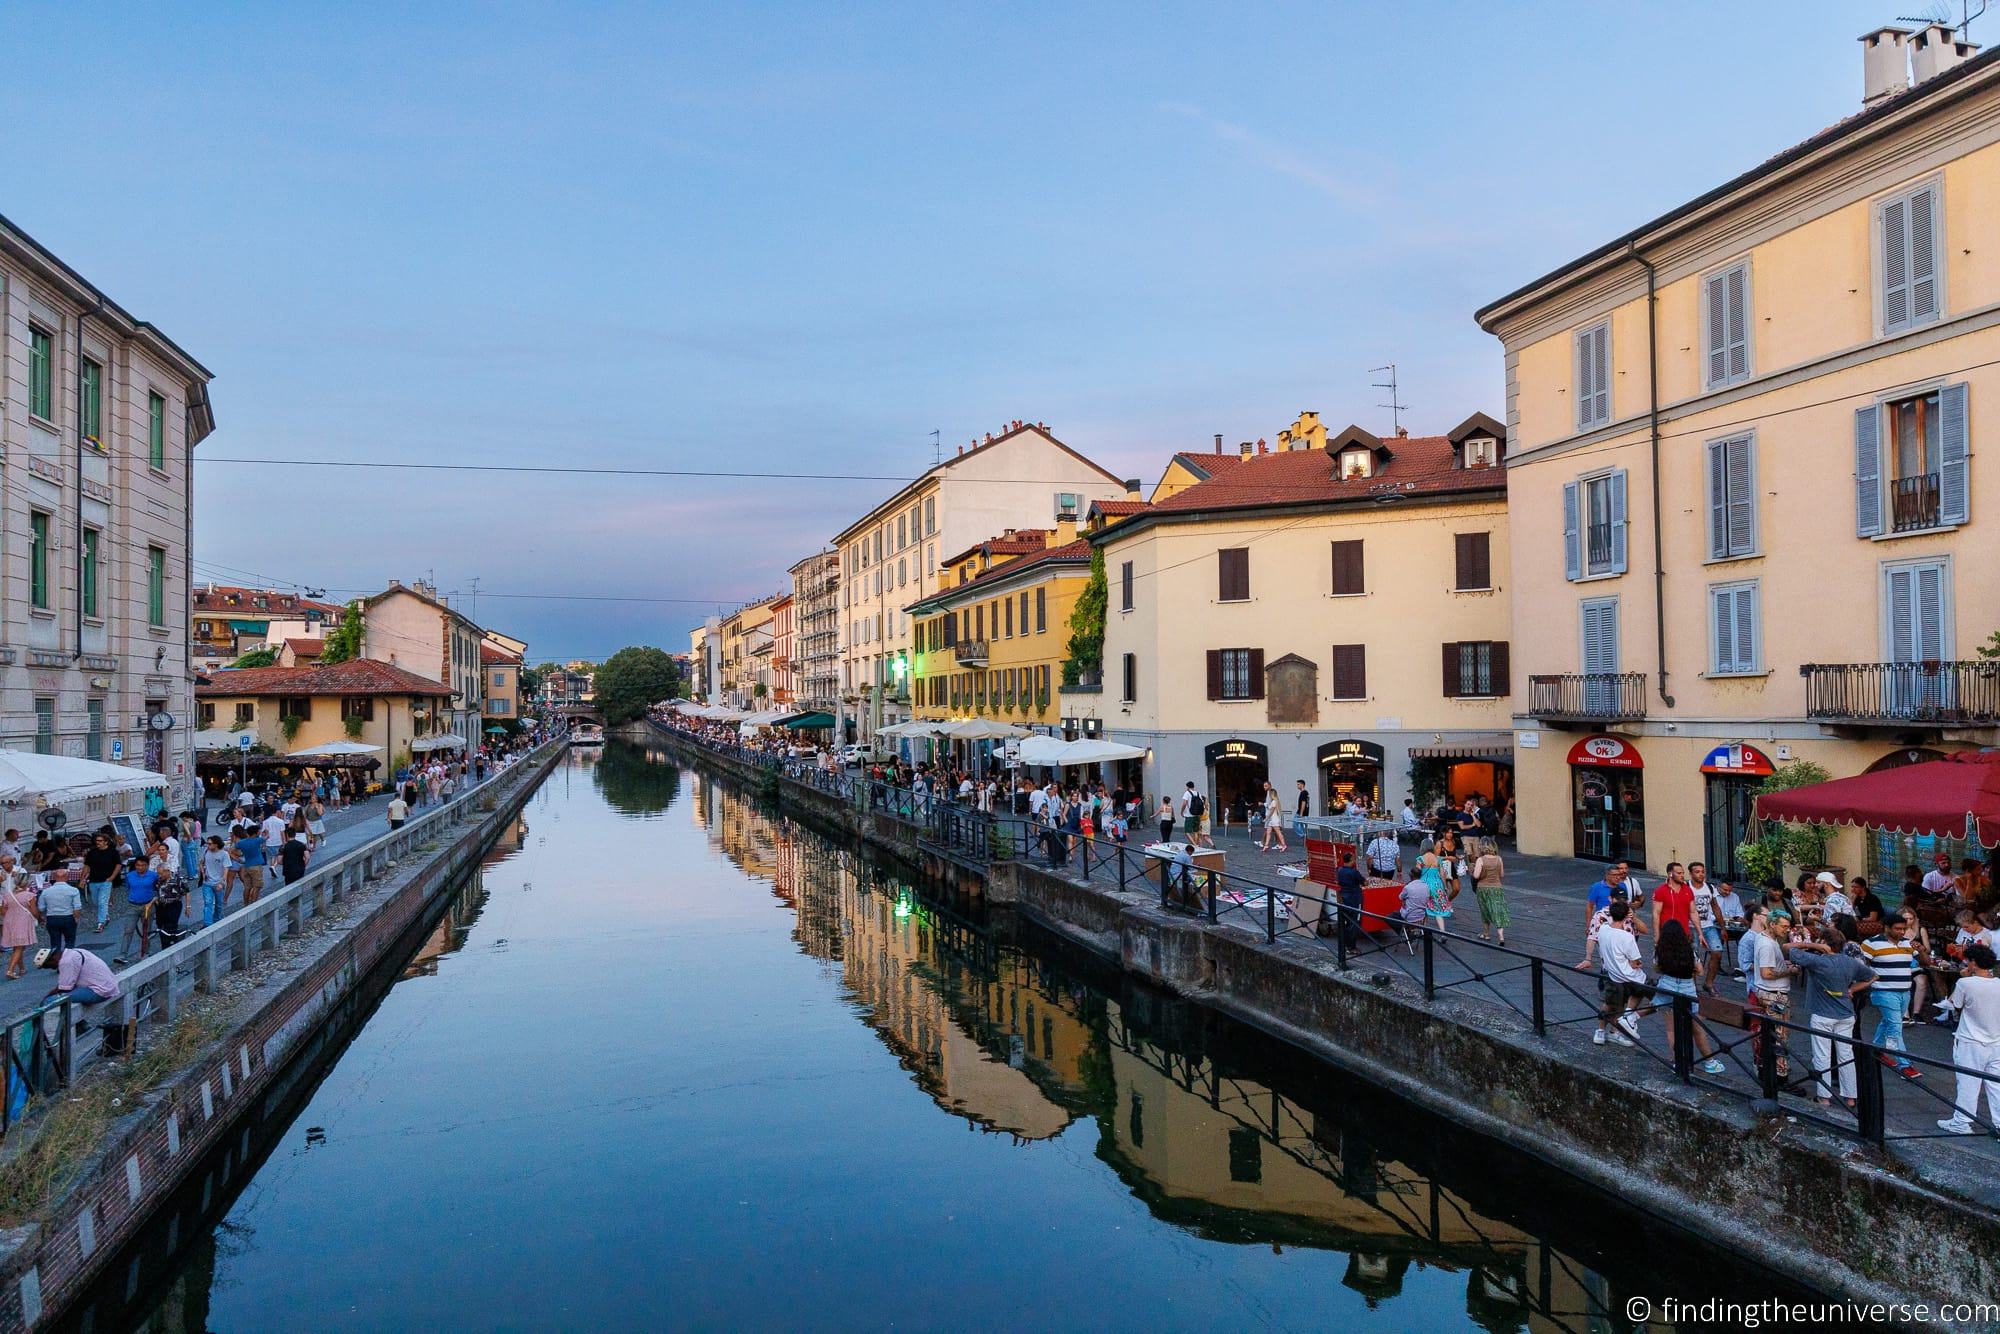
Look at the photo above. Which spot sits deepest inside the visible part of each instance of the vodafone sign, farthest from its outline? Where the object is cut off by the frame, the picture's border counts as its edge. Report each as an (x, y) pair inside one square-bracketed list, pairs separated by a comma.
[(1605, 752)]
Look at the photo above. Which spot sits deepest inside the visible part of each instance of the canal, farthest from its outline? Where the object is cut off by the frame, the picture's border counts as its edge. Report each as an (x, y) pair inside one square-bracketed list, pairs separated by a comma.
[(674, 1060)]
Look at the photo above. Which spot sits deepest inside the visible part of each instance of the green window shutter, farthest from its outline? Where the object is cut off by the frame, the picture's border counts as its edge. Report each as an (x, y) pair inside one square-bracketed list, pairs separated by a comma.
[(91, 385), (156, 586), (156, 430), (41, 373), (38, 560), (89, 572)]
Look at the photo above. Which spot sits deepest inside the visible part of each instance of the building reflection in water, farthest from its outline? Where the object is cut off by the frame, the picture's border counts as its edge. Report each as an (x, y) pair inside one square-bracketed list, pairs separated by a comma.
[(1015, 1046)]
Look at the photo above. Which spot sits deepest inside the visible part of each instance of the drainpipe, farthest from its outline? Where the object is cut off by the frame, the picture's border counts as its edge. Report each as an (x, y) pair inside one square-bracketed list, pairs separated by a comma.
[(1653, 418)]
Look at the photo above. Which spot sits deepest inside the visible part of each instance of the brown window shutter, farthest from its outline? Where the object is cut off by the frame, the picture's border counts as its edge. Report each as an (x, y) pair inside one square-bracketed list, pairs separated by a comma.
[(1125, 586), (1475, 560), (1347, 568), (1501, 685), (1232, 574), (1451, 690), (1350, 671), (1256, 673), (1215, 673)]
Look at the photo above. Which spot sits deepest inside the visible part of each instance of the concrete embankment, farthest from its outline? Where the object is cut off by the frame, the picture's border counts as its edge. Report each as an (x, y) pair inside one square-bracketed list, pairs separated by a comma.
[(1839, 1216), (239, 1042)]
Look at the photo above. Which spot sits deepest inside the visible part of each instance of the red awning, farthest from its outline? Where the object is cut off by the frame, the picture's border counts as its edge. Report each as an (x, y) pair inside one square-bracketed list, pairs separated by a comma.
[(1938, 797)]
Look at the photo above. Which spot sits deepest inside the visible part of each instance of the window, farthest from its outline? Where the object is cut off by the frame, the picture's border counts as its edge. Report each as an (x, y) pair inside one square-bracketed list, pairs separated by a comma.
[(1475, 560), (1348, 577), (1732, 498), (41, 373), (930, 515), (1725, 304), (1041, 610), (1915, 449), (45, 726), (156, 430), (1916, 598), (1476, 669), (246, 713), (979, 621), (1125, 586), (1908, 249), (1594, 525), (1600, 636), (1236, 673), (204, 627), (902, 573), (1593, 376), (902, 531), (88, 562), (1010, 618), (93, 735), (206, 712), (500, 680), (38, 559), (1350, 671), (1024, 611), (90, 389), (1232, 565), (1734, 647), (1129, 680), (358, 706), (156, 586)]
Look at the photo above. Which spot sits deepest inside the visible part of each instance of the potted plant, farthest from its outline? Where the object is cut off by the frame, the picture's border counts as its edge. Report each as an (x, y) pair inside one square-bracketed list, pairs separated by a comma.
[(1781, 845)]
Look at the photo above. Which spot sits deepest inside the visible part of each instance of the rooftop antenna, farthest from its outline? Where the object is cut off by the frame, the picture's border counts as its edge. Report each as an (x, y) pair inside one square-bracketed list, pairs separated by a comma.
[(472, 591), (1940, 12), (937, 449), (1397, 407)]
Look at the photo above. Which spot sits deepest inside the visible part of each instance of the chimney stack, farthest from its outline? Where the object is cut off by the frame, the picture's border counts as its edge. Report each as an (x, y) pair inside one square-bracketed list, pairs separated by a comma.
[(1133, 486), (1218, 442), (1934, 50), (1243, 450), (1885, 65)]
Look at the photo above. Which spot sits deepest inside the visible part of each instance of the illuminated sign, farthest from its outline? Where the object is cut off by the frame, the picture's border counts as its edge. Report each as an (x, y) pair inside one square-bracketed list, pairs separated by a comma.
[(1605, 752), (1738, 759), (1351, 750)]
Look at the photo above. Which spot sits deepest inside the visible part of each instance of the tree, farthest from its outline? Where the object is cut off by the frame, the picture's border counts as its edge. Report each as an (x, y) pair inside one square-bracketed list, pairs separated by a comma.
[(1086, 624), (258, 657), (531, 682), (632, 680), (344, 643), (1781, 845)]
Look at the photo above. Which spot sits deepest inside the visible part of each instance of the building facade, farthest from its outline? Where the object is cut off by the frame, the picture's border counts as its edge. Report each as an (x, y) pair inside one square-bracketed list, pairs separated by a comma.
[(1745, 480), (503, 683), (412, 627), (782, 648), (229, 620), (357, 700), (816, 631), (99, 416), (748, 644), (889, 557), (1323, 611)]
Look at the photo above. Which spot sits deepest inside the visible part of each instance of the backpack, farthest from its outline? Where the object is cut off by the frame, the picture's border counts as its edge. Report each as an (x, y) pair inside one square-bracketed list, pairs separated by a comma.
[(1198, 807)]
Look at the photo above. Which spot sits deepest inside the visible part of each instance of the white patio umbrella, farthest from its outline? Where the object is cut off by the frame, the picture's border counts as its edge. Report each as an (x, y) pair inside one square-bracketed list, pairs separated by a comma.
[(1039, 749), (217, 738), (1089, 750), (332, 748), (430, 743), (981, 729), (25, 776)]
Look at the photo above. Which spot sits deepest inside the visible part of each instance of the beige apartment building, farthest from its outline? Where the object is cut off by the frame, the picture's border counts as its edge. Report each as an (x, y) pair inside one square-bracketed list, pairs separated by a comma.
[(1327, 610), (296, 708), (99, 416), (412, 627), (1751, 524), (749, 641), (1020, 477), (816, 632)]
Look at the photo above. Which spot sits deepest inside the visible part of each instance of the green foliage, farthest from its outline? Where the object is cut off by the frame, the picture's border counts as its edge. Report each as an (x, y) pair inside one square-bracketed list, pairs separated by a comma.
[(1427, 782), (1085, 651), (258, 657), (344, 642), (531, 682), (1781, 845), (1991, 648), (353, 726), (632, 680), (760, 691), (290, 725)]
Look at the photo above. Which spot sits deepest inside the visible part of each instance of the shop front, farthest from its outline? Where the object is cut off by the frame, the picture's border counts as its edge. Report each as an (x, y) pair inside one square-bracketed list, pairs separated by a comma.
[(1731, 775), (1479, 766), (1608, 801), (1350, 769), (1237, 772)]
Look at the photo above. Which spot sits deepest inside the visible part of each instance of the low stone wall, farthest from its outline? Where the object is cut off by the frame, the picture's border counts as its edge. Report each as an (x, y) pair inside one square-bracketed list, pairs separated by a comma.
[(148, 1151)]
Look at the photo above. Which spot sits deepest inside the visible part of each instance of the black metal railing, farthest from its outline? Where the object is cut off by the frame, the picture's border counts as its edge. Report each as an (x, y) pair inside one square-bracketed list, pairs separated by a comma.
[(1913, 502), (1588, 696), (1959, 694), (1597, 547), (38, 1062)]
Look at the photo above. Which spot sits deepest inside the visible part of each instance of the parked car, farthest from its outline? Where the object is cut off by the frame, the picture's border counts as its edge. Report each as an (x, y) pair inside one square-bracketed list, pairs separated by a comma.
[(855, 753)]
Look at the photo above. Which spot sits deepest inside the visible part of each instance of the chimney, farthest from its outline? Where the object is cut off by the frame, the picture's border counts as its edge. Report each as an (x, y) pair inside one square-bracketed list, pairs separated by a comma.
[(1262, 448), (1934, 50), (1243, 450), (1133, 486), (1885, 67), (1061, 535), (1300, 441), (1218, 442)]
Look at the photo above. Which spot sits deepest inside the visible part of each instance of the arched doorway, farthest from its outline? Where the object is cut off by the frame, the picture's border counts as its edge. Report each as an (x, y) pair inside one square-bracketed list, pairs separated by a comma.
[(1350, 768)]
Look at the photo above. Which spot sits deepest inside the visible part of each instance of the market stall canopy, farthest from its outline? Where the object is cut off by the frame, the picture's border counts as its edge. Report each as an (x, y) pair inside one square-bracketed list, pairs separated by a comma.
[(216, 738), (979, 729), (806, 721), (429, 743), (1940, 798), (911, 729), (25, 776), (332, 748)]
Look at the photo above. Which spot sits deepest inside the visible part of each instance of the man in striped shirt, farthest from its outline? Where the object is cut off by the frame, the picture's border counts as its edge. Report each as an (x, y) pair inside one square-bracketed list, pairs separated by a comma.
[(1890, 955)]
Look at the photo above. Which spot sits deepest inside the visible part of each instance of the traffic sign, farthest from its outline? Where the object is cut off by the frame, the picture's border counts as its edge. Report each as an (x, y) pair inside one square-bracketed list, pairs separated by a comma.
[(117, 748), (243, 741)]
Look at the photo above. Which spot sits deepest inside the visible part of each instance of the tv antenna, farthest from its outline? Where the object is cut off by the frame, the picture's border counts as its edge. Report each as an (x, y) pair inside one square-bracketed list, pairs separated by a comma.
[(1397, 407), (1940, 12), (937, 449)]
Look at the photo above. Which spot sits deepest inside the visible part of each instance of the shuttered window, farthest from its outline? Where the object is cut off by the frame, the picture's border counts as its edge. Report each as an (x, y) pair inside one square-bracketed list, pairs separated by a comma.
[(1593, 376), (1916, 596), (1125, 586), (1594, 525), (1912, 460), (41, 373), (1732, 497), (1735, 629), (1232, 566), (1236, 673), (1909, 247), (1475, 560), (1041, 610), (1477, 669), (1009, 616), (1350, 671), (1129, 681), (1600, 636), (1348, 575), (1725, 301)]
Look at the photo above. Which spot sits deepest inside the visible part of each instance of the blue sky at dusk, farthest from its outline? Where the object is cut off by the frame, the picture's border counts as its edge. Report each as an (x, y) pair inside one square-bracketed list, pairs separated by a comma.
[(798, 238)]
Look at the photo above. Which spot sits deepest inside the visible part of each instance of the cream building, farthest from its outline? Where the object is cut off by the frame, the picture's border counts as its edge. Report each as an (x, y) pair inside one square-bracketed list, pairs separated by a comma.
[(1327, 610), (889, 558), (413, 628), (296, 708), (1744, 472), (816, 631), (99, 416)]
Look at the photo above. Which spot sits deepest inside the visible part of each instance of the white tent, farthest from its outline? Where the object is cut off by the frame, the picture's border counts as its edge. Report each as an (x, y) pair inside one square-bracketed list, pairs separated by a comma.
[(916, 728), (1039, 749), (445, 742), (1090, 750), (25, 776), (332, 748), (980, 729), (216, 738)]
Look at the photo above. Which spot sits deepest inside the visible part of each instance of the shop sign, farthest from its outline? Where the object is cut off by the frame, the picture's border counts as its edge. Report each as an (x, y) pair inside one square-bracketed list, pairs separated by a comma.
[(1605, 752), (1738, 759), (1234, 750), (1350, 751)]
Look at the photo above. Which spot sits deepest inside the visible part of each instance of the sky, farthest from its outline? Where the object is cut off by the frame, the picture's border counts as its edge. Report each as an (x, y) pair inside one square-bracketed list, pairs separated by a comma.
[(778, 239)]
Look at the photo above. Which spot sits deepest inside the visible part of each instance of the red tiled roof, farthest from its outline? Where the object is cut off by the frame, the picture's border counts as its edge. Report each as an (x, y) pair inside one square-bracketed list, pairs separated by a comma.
[(306, 648), (490, 654), (1118, 508), (1078, 550), (214, 599), (1208, 465), (1420, 465), (1007, 544), (356, 676)]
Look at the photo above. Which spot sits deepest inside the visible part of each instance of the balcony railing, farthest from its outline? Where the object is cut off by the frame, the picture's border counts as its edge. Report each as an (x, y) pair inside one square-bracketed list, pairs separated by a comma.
[(970, 652), (1913, 502), (1596, 547), (1588, 696), (1939, 694)]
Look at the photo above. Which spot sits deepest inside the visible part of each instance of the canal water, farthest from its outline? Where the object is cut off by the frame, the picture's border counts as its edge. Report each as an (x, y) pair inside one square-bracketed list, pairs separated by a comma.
[(673, 1060)]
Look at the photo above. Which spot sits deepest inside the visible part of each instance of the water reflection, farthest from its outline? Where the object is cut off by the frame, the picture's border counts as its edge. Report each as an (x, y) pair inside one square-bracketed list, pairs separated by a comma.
[(633, 781)]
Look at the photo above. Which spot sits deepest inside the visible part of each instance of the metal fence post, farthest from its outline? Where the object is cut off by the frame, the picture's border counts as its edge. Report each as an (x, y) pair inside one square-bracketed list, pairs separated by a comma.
[(1869, 1110), (1270, 914), (1683, 1021), (1121, 866), (1339, 929), (1769, 1035), (1430, 965), (1536, 999), (1209, 891)]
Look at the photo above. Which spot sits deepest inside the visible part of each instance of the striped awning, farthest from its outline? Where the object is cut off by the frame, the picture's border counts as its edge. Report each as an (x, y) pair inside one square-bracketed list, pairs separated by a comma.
[(1479, 746)]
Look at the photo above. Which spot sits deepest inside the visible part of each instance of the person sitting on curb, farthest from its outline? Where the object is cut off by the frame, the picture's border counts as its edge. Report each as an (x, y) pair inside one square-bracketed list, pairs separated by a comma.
[(80, 976)]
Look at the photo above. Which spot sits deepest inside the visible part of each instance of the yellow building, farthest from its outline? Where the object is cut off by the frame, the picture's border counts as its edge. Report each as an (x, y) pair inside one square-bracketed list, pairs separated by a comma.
[(357, 700), (748, 641), (1323, 612), (1743, 468), (992, 643)]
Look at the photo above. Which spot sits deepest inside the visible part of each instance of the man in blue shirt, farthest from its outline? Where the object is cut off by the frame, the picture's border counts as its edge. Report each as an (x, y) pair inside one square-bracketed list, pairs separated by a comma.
[(250, 858), (1350, 883)]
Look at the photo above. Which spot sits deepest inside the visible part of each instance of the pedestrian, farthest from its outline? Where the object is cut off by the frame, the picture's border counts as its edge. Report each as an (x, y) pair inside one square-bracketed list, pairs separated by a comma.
[(1673, 951), (60, 903), (1977, 1045), (1487, 874), (100, 868), (249, 857), (1623, 980), (80, 976), (295, 856), (315, 822), (142, 886), (399, 811), (1673, 901), (1385, 855), (1274, 820), (1191, 809), (1893, 959), (1831, 980), (216, 873), (1165, 815), (1302, 805), (1347, 880), (1437, 913), (17, 920)]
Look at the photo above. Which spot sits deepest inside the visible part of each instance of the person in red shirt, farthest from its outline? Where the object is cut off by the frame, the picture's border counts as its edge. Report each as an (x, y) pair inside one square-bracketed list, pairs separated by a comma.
[(1674, 901)]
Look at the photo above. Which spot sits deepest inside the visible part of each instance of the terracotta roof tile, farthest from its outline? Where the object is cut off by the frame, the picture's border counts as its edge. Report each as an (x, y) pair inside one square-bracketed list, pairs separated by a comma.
[(214, 599), (306, 648), (356, 676), (1118, 508), (1420, 465), (490, 654)]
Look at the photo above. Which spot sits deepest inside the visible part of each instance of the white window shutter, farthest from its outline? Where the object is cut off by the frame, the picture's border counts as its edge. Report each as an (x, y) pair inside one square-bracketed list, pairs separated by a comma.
[(1867, 471), (1902, 616), (1742, 478), (1895, 266), (1715, 294), (1923, 255), (1718, 499), (1572, 536), (1929, 592), (1603, 358), (1954, 447), (1737, 326), (1618, 524)]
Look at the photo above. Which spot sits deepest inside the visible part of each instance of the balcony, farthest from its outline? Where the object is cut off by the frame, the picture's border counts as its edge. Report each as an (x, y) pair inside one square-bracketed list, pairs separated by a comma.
[(1588, 697), (1904, 694), (1913, 503), (970, 652), (1597, 548)]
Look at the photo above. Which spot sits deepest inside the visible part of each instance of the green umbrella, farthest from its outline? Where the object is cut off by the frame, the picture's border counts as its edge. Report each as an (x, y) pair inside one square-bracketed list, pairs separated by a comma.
[(496, 731)]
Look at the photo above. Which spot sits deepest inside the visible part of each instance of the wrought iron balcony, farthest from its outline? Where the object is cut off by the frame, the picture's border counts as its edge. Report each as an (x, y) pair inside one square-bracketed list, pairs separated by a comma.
[(1588, 697), (1913, 502), (970, 652), (1904, 694)]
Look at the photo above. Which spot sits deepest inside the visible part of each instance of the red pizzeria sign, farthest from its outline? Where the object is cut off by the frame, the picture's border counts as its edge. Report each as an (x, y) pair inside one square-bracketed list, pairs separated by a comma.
[(1605, 752)]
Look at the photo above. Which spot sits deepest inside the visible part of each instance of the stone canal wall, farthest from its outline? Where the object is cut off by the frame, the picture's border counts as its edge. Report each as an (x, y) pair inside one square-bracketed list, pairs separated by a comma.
[(1842, 1218), (262, 1020)]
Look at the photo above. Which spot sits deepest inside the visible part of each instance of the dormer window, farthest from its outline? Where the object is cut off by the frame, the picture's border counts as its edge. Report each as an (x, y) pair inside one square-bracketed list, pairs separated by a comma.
[(1480, 452), (1356, 463)]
